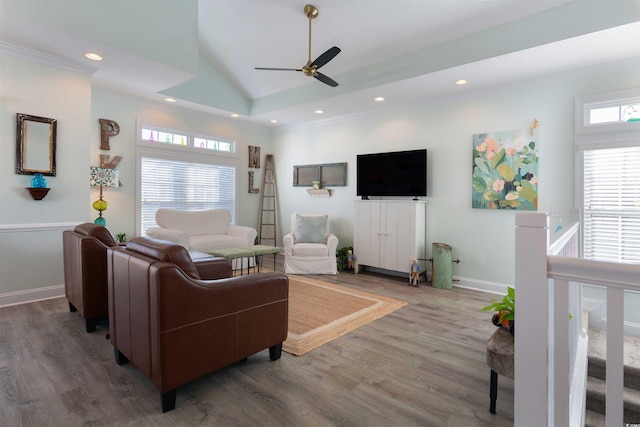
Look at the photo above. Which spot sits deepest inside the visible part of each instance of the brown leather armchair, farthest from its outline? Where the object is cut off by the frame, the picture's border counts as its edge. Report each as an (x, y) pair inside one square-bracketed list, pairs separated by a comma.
[(176, 325), (85, 271)]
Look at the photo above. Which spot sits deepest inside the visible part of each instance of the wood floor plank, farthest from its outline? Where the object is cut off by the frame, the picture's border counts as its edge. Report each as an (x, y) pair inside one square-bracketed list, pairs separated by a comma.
[(422, 365)]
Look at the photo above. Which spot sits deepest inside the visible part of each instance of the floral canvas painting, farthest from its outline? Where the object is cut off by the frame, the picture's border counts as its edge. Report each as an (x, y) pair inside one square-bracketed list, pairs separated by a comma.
[(505, 170)]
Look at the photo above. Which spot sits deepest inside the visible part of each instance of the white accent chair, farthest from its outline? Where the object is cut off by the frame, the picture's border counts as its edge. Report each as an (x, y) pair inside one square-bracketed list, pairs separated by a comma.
[(204, 230), (310, 248)]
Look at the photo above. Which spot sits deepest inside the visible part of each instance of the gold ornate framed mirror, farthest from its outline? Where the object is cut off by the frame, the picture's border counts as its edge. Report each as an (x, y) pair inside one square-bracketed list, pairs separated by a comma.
[(35, 145)]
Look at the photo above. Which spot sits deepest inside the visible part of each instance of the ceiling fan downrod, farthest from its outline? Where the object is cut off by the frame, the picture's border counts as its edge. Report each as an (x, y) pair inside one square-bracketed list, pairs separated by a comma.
[(311, 12), (310, 69)]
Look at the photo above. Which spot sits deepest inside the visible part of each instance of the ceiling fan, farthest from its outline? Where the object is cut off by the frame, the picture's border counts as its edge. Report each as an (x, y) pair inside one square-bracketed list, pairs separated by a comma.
[(311, 68)]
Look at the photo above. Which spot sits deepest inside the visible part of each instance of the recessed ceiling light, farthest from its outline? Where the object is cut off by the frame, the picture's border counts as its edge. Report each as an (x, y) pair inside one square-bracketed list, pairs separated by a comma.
[(234, 115), (273, 121), (170, 100), (93, 56), (461, 82), (319, 112), (378, 99)]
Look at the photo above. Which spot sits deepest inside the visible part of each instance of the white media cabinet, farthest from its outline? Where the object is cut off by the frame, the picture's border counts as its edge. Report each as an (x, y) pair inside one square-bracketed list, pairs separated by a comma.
[(389, 234)]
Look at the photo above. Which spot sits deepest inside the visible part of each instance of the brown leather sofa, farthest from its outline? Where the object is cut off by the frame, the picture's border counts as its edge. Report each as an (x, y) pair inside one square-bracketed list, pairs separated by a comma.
[(176, 324), (85, 271)]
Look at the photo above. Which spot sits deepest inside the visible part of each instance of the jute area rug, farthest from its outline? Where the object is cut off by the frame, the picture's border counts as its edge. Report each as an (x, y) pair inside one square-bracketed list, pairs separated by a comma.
[(320, 312)]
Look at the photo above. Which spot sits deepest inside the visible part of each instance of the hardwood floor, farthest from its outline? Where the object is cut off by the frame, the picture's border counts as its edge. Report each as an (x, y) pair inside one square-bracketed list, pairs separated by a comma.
[(423, 365)]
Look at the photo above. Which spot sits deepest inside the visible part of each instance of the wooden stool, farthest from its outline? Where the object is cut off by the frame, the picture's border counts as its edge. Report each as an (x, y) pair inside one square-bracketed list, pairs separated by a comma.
[(500, 360)]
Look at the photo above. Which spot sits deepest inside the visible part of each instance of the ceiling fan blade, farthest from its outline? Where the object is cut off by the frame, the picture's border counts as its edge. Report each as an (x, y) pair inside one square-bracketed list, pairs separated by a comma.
[(326, 57), (279, 69), (326, 80)]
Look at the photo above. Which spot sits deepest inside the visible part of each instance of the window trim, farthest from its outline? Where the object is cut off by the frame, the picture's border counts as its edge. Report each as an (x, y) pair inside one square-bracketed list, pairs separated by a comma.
[(600, 136), (584, 105), (183, 153)]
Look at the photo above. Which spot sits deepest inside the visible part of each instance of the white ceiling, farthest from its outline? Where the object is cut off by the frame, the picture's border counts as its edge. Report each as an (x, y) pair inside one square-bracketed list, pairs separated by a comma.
[(203, 53)]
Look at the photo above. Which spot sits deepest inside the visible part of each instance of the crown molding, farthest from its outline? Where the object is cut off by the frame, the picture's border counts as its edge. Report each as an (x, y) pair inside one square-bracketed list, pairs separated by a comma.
[(47, 59)]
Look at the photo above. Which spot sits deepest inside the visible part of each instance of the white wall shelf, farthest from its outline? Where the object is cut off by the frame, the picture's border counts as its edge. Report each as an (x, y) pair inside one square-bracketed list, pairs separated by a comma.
[(322, 192)]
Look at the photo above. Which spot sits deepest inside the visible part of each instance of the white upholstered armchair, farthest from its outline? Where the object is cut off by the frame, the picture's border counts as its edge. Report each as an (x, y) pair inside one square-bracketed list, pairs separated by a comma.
[(310, 248)]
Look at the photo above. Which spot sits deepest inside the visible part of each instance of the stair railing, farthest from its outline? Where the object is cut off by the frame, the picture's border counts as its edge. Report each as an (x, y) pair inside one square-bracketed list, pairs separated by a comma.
[(549, 387)]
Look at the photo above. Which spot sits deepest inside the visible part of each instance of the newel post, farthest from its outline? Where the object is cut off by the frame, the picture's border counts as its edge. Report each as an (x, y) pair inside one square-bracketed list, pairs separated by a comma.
[(531, 383)]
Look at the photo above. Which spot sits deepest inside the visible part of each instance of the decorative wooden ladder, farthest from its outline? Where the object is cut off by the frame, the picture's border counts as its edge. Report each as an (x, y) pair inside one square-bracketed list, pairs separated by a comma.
[(268, 217)]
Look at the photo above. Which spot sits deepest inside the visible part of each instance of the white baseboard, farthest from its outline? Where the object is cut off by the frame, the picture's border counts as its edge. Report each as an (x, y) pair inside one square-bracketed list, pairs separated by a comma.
[(480, 285), (31, 295), (461, 282)]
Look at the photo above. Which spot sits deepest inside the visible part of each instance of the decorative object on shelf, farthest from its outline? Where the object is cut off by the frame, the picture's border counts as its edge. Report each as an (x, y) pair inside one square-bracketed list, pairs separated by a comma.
[(254, 157), (505, 171), (316, 185), (251, 188), (322, 192), (329, 175), (38, 193), (38, 181), (102, 177), (121, 238), (107, 128), (38, 189), (35, 145)]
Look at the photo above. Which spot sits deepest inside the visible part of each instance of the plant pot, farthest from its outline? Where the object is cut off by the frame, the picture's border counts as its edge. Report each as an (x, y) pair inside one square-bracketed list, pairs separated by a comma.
[(506, 324)]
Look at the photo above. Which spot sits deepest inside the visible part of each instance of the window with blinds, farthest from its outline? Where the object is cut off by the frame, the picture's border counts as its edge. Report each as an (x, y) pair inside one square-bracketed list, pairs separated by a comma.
[(611, 204), (184, 185), (176, 173)]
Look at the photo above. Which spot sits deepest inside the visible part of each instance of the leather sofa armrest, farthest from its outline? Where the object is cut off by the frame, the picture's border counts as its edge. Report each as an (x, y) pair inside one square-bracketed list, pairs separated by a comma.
[(208, 299), (248, 233), (213, 268), (288, 241), (178, 236)]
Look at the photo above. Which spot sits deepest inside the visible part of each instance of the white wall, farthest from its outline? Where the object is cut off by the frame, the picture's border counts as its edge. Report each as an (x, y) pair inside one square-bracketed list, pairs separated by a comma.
[(30, 231), (128, 113), (31, 264), (482, 239)]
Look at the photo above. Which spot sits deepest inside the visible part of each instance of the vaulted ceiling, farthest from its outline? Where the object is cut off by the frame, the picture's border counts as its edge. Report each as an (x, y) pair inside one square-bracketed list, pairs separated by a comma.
[(203, 52)]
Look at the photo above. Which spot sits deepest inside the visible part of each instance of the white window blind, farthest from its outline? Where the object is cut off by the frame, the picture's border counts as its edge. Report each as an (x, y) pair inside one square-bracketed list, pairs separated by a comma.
[(184, 185), (612, 204)]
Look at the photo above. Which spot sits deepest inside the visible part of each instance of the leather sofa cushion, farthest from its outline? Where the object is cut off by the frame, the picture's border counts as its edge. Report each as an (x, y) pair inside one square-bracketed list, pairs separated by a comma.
[(166, 252), (211, 221), (98, 231)]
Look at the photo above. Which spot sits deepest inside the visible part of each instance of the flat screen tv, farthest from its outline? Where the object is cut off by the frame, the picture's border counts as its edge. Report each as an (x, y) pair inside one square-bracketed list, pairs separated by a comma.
[(399, 173)]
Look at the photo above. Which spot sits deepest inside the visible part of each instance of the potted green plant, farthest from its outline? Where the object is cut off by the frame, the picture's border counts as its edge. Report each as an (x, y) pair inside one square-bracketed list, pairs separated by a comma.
[(505, 310)]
